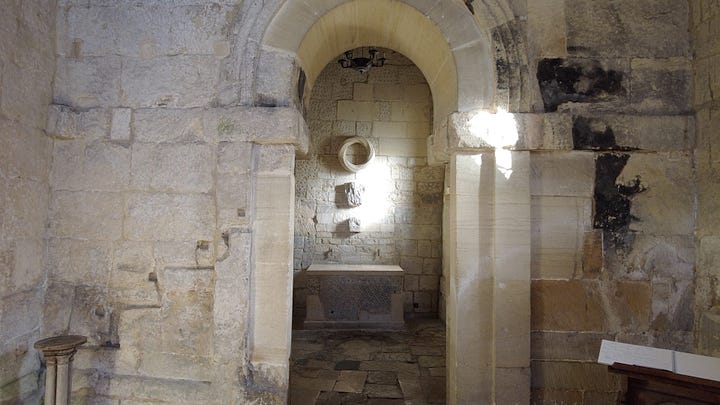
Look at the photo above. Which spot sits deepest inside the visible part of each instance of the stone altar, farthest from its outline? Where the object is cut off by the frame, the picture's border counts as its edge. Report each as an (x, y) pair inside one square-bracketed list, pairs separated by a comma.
[(345, 296)]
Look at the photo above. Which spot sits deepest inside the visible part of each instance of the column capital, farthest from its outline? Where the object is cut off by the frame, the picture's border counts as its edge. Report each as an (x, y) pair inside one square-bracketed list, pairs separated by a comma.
[(60, 345)]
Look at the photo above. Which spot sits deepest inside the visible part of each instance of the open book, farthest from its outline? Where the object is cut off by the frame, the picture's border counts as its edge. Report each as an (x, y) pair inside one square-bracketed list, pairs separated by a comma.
[(677, 362)]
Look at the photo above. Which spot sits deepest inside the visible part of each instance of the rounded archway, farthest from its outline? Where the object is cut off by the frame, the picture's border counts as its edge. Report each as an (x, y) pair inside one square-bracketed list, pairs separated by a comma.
[(454, 50), (443, 40)]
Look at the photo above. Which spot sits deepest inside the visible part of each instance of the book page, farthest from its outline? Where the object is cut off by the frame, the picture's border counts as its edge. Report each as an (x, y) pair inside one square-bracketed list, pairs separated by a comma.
[(616, 352), (697, 366)]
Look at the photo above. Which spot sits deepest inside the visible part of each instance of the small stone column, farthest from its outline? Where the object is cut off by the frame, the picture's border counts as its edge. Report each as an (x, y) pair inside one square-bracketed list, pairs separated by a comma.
[(58, 352)]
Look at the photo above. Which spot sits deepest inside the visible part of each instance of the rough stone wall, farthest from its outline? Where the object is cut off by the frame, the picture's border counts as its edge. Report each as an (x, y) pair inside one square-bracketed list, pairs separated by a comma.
[(401, 212), (705, 29), (27, 33), (612, 219), (150, 220)]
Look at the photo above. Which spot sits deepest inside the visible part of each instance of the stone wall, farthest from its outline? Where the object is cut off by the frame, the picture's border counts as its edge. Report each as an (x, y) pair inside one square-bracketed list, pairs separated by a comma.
[(164, 225), (27, 33), (613, 252), (401, 212), (705, 29), (153, 203)]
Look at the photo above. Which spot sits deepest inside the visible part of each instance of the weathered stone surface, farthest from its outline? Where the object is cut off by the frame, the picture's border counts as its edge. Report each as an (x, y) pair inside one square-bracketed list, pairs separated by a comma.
[(101, 166), (24, 152), (173, 81), (86, 215), (573, 376), (627, 29), (562, 174), (159, 29), (120, 128), (179, 168), (168, 217), (66, 123), (90, 82), (566, 306), (661, 87), (170, 125), (666, 205), (556, 235), (79, 262)]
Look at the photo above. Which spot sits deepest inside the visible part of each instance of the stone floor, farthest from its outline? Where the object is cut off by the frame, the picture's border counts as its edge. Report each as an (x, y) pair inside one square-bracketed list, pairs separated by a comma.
[(369, 367)]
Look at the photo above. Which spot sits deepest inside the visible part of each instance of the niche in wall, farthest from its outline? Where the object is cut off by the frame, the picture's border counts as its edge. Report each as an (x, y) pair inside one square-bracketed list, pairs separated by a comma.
[(400, 218)]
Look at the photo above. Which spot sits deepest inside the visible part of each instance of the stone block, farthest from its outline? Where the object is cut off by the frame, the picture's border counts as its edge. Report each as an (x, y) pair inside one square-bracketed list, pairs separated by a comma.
[(417, 93), (23, 266), (389, 129), (592, 261), (23, 202), (547, 38), (187, 329), (26, 155), (175, 366), (402, 147), (263, 125), (173, 81), (90, 82), (410, 111), (666, 205), (388, 92), (632, 302), (98, 165), (572, 346), (79, 262), (170, 125), (26, 90), (275, 84), (652, 133), (545, 396), (428, 283), (169, 217), (120, 128), (556, 227), (512, 385), (276, 159), (566, 306), (166, 29), (661, 87), (86, 215), (562, 174), (362, 92), (22, 314), (65, 123), (557, 375), (355, 110), (327, 110), (628, 29), (176, 168), (148, 389), (709, 334), (57, 308)]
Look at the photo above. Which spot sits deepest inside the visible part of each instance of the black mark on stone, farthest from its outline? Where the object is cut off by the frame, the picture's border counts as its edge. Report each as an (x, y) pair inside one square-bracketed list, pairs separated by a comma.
[(301, 87), (347, 365), (612, 200), (581, 80), (587, 138)]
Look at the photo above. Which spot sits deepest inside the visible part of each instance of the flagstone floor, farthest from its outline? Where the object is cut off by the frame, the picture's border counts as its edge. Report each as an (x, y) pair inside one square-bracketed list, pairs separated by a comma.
[(369, 367)]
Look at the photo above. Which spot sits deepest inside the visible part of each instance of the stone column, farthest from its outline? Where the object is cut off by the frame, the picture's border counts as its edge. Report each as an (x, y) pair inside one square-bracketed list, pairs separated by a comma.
[(58, 352)]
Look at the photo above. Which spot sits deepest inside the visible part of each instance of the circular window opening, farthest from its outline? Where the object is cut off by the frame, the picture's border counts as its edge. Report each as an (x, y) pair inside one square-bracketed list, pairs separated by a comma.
[(356, 153)]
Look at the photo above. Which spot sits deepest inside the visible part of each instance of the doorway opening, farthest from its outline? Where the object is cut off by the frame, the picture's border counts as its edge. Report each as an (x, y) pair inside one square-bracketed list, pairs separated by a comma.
[(385, 209)]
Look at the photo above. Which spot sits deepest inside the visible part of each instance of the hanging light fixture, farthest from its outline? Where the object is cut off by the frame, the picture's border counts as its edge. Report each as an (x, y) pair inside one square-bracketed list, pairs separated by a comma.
[(361, 63)]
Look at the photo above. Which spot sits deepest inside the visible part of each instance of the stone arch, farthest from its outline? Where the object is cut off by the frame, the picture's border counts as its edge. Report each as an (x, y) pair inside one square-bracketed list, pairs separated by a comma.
[(289, 44), (442, 39)]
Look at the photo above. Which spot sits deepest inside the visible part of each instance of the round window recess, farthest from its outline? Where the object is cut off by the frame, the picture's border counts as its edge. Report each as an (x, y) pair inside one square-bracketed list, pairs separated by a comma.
[(348, 151)]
